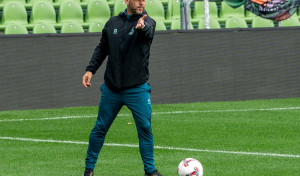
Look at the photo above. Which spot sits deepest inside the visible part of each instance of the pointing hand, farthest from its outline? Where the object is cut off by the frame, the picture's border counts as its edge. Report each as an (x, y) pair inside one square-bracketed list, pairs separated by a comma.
[(140, 24)]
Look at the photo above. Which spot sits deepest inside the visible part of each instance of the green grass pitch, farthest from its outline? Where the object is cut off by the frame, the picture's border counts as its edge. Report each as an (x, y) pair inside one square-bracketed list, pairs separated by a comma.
[(258, 137)]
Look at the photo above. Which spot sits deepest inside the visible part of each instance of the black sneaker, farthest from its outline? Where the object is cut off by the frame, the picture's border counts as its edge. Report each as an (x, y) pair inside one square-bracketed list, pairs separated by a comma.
[(88, 172), (155, 173)]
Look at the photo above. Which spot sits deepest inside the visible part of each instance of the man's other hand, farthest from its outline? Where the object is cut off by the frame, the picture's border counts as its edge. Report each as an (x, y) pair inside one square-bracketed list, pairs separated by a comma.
[(86, 79)]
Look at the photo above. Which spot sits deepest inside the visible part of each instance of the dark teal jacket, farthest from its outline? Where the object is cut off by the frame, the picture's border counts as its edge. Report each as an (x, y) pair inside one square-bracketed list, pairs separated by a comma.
[(128, 51)]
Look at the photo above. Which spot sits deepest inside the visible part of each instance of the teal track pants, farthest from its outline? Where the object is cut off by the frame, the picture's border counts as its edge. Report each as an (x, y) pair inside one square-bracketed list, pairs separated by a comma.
[(138, 101)]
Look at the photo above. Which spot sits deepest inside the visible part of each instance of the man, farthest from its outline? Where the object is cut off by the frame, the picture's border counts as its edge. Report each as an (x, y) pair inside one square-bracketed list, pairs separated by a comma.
[(126, 39)]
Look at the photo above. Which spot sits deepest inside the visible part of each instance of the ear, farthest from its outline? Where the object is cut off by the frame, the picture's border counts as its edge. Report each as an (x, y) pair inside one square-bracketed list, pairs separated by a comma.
[(127, 2)]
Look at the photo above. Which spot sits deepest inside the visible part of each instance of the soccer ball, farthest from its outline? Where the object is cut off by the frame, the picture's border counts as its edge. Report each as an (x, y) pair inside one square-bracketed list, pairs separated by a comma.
[(189, 167)]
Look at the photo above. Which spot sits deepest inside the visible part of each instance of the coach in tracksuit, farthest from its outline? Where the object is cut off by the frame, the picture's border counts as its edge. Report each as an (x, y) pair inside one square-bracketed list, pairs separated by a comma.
[(126, 40)]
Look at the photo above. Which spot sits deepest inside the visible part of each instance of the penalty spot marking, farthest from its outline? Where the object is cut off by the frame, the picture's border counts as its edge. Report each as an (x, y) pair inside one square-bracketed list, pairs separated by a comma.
[(154, 113), (156, 147)]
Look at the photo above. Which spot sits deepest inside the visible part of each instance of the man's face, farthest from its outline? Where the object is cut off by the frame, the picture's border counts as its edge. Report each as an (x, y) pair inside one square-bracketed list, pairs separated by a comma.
[(135, 6)]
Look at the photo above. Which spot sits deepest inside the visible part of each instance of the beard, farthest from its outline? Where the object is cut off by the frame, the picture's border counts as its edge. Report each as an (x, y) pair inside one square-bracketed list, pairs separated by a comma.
[(138, 10)]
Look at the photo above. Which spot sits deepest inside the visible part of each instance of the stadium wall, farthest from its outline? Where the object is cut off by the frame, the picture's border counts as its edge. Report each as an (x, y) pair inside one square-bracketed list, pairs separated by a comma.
[(45, 71)]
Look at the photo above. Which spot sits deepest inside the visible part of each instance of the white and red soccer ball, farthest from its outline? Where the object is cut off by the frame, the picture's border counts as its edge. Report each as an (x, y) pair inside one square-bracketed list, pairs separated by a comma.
[(190, 167)]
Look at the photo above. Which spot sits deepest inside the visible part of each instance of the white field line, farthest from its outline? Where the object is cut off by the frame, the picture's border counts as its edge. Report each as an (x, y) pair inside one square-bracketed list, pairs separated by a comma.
[(156, 113), (156, 147), (48, 118)]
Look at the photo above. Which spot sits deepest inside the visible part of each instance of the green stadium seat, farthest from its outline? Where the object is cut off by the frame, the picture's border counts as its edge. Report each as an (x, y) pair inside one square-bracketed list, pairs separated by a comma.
[(160, 26), (97, 11), (292, 21), (227, 11), (43, 29), (258, 22), (84, 3), (155, 9), (8, 1), (42, 12), (60, 1), (235, 23), (87, 1), (15, 29), (213, 24), (173, 10), (72, 28), (199, 10), (164, 2), (33, 1), (96, 27), (119, 6), (111, 1), (14, 13), (176, 24), (250, 14), (70, 12)]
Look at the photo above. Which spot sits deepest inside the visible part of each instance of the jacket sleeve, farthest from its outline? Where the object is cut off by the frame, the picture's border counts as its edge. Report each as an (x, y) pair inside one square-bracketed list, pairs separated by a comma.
[(149, 28), (100, 52)]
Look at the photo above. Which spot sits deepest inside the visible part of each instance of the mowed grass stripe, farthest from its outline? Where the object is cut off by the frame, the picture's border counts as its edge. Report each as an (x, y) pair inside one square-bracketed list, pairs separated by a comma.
[(156, 147), (158, 113)]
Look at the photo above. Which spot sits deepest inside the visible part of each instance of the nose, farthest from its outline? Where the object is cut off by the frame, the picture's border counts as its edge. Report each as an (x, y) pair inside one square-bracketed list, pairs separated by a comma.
[(141, 2)]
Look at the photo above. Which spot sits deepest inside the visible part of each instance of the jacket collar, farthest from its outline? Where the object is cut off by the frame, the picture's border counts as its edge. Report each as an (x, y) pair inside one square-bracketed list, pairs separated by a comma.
[(133, 17)]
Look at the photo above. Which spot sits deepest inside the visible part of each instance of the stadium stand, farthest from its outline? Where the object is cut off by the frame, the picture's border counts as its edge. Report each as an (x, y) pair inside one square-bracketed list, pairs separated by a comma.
[(249, 14), (92, 14), (160, 26), (97, 11), (20, 1), (33, 1), (292, 21), (60, 1), (176, 24), (70, 12), (198, 12), (42, 12), (155, 9), (173, 10), (261, 22), (119, 6), (14, 13), (213, 24), (96, 27), (15, 29), (226, 11), (111, 1), (235, 23), (43, 29), (72, 28)]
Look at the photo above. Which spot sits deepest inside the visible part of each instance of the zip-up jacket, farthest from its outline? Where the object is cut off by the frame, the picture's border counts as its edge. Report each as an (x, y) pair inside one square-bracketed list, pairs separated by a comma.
[(128, 51)]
